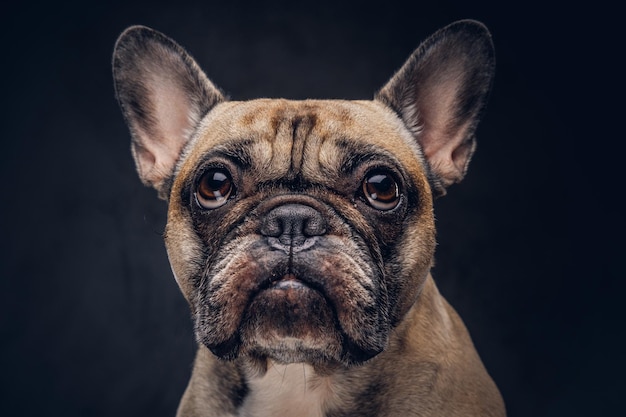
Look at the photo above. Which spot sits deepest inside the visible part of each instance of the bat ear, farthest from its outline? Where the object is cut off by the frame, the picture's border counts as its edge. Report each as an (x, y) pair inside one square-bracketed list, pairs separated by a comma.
[(163, 95), (440, 92)]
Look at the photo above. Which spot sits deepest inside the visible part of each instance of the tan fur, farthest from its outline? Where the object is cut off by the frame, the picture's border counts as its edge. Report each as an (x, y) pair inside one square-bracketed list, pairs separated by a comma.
[(431, 364), (308, 298)]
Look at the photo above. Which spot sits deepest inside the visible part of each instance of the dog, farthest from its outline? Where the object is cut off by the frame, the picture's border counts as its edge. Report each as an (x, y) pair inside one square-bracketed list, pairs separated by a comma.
[(302, 233)]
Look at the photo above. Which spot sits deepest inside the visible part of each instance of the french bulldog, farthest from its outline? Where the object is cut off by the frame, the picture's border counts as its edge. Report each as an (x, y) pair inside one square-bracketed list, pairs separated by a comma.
[(302, 234)]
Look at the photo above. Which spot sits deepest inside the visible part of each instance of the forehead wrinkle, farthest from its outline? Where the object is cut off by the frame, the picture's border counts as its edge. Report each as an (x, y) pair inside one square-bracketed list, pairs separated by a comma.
[(322, 157), (291, 131), (263, 155), (280, 142)]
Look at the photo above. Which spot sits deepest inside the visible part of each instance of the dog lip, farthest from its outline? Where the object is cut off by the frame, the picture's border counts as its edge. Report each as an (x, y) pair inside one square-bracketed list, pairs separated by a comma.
[(288, 284), (288, 281)]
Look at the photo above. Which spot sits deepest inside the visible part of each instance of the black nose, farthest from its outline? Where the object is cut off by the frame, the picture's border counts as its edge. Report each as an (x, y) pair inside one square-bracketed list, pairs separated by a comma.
[(293, 227)]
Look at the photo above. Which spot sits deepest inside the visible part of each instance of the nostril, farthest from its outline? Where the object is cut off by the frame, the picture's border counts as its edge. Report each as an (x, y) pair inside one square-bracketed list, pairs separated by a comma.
[(314, 226), (272, 226)]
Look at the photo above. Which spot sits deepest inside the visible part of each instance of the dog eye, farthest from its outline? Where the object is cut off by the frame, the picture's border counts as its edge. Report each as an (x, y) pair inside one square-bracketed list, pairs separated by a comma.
[(381, 190), (214, 188)]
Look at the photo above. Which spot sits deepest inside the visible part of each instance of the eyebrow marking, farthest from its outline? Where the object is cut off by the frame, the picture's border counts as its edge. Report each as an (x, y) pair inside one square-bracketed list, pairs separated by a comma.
[(238, 152), (352, 159)]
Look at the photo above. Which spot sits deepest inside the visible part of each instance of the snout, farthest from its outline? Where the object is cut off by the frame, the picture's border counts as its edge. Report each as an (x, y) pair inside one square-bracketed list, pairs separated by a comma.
[(296, 284)]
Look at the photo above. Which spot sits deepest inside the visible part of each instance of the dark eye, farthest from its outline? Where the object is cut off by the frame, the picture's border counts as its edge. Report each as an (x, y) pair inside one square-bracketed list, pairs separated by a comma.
[(381, 190), (214, 188)]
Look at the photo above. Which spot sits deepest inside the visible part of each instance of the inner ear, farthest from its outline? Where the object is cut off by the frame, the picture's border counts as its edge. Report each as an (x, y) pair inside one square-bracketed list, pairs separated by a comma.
[(163, 95), (440, 92)]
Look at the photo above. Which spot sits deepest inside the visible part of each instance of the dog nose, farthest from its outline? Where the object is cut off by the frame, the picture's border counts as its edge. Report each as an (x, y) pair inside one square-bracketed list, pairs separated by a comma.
[(293, 227)]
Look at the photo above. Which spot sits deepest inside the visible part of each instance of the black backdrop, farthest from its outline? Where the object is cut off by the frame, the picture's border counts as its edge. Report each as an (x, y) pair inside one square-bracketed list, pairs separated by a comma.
[(91, 320)]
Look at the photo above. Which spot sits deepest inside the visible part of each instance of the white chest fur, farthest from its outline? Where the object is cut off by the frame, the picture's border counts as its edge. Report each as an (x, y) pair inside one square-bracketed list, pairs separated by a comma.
[(288, 391)]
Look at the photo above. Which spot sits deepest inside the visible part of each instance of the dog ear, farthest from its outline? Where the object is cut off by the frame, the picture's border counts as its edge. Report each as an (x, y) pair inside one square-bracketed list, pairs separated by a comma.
[(163, 95), (440, 93)]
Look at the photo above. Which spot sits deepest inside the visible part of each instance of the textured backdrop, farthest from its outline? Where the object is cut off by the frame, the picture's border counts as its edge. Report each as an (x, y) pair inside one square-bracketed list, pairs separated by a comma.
[(91, 320)]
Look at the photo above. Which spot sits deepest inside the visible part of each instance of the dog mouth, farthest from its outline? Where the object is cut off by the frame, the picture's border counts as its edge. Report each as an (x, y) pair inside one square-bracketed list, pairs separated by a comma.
[(289, 319), (288, 282), (287, 301), (316, 306)]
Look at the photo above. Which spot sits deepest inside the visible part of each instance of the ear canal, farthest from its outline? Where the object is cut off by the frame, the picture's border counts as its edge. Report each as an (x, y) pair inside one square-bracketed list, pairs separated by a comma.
[(163, 95), (440, 93)]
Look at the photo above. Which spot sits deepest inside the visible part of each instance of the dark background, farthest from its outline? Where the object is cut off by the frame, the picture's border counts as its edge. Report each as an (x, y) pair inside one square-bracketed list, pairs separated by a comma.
[(91, 320)]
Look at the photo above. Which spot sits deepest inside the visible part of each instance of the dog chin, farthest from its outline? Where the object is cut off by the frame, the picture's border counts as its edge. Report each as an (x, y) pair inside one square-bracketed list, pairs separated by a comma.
[(291, 322)]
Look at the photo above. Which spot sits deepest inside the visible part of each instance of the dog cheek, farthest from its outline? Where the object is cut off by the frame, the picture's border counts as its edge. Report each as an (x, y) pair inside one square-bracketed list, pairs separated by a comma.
[(363, 315), (224, 292), (408, 266), (185, 254), (228, 292)]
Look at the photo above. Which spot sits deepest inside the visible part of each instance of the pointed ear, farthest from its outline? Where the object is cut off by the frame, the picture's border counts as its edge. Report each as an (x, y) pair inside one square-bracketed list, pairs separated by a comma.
[(440, 93), (163, 95)]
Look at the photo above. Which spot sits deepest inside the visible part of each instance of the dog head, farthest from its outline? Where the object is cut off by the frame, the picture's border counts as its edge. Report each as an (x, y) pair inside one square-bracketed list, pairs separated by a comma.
[(302, 231)]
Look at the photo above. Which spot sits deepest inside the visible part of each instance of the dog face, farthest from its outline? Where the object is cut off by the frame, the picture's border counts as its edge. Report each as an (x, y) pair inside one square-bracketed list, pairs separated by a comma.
[(302, 231), (309, 231)]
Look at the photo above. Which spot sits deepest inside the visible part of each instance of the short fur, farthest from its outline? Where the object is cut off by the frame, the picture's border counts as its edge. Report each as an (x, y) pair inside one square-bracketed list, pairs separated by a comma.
[(310, 296)]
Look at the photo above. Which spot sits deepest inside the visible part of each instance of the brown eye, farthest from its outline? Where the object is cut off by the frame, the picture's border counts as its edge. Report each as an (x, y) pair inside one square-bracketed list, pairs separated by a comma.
[(214, 188), (381, 190)]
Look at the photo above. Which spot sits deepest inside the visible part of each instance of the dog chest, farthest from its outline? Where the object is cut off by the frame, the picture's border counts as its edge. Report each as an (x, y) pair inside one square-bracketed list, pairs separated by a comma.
[(287, 390)]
